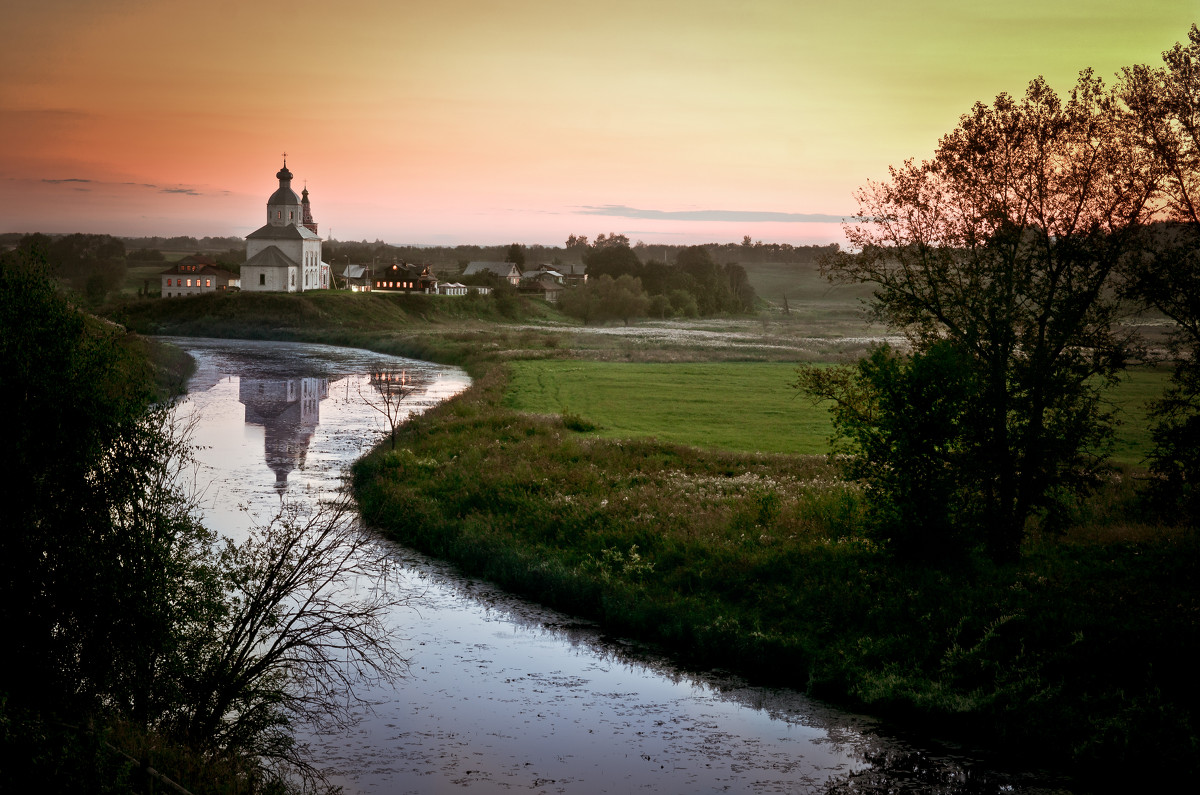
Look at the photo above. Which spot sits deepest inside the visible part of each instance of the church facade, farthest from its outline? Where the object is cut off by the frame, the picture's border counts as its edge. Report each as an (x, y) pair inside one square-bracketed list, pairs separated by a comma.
[(285, 254)]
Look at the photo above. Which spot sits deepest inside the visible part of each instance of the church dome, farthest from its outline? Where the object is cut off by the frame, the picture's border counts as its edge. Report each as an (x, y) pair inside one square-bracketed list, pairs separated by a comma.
[(283, 173), (284, 196)]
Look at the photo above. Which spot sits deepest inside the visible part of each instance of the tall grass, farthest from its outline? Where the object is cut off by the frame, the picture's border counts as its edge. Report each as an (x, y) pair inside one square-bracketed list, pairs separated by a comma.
[(1081, 653)]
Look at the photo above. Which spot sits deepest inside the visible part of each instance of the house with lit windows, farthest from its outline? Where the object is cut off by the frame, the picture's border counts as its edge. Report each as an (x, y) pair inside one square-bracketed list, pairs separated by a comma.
[(404, 278), (284, 255), (196, 274)]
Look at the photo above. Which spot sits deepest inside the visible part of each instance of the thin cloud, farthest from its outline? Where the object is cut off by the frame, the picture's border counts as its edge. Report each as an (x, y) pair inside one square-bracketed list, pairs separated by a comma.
[(740, 216), (146, 185)]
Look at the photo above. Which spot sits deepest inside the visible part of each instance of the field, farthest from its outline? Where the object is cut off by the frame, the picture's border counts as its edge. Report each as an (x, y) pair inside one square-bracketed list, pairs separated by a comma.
[(736, 406), (729, 554)]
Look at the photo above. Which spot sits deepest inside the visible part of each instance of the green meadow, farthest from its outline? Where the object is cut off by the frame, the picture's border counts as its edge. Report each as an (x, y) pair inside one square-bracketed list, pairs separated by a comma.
[(738, 406)]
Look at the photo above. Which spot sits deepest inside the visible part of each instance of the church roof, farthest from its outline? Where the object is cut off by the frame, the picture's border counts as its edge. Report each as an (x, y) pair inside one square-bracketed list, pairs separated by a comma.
[(284, 196), (271, 257), (289, 232), (504, 269)]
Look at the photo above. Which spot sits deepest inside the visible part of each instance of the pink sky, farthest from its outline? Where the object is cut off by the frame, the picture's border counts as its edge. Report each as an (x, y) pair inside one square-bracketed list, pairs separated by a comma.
[(466, 121)]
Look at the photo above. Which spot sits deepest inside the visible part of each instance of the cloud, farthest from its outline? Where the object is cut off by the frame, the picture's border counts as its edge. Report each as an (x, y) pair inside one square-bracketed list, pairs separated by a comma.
[(740, 216), (146, 185)]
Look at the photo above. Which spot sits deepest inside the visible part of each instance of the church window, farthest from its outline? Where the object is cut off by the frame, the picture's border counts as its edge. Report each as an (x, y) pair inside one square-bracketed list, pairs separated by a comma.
[(262, 278), (278, 214), (293, 278)]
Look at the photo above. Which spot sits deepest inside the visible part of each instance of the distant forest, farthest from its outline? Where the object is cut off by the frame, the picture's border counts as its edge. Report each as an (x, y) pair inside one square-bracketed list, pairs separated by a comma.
[(448, 258)]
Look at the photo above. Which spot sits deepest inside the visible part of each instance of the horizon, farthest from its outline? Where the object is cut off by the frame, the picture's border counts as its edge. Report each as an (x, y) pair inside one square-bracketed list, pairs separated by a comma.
[(469, 124)]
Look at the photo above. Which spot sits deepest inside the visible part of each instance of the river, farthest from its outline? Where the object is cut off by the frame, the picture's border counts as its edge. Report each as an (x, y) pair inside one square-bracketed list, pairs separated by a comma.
[(500, 694)]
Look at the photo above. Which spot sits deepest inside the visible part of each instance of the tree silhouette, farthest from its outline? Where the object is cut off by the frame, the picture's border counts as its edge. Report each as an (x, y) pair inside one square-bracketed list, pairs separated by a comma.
[(391, 387)]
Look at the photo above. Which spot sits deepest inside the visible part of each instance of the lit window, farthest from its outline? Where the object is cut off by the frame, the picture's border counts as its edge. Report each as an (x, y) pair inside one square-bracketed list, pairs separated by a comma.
[(208, 282), (189, 282)]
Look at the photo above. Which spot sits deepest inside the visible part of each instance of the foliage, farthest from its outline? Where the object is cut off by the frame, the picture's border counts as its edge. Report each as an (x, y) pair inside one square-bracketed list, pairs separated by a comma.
[(119, 606), (905, 428), (516, 255), (695, 284), (292, 639), (1162, 105), (605, 298), (1006, 245), (1079, 654)]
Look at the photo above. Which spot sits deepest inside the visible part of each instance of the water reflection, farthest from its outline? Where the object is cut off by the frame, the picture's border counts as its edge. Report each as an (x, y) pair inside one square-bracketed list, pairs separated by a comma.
[(289, 411), (502, 694)]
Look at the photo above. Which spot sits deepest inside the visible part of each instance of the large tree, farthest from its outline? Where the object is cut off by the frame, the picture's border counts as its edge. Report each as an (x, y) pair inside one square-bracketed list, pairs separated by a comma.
[(1163, 105), (1005, 245)]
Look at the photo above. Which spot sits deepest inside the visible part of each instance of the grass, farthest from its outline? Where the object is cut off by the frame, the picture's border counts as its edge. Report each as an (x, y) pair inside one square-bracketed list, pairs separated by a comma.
[(739, 406), (1078, 656)]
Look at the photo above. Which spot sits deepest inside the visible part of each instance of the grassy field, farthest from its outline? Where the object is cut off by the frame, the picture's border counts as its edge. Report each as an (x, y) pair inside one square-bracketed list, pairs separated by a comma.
[(1078, 656), (737, 406)]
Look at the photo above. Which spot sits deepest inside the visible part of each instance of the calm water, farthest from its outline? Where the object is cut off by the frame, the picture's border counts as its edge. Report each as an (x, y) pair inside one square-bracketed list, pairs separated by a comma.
[(502, 695)]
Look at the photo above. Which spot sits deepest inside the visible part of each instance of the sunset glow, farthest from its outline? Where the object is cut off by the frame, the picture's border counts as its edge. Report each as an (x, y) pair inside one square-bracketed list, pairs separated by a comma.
[(480, 122)]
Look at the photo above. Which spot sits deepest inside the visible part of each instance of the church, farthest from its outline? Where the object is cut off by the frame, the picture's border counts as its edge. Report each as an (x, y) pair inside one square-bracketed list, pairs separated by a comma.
[(284, 256)]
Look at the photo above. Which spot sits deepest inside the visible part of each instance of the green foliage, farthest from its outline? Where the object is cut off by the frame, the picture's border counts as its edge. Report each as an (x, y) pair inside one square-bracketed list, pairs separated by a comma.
[(1007, 244), (120, 608), (1161, 103), (694, 285), (904, 428), (604, 298), (516, 255), (1078, 654)]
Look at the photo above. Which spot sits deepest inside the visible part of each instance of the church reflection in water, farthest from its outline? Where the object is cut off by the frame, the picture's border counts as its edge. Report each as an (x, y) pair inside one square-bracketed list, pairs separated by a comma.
[(288, 410)]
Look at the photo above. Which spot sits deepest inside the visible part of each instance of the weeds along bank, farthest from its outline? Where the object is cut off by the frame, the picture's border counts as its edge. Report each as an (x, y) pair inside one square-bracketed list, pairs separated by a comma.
[(1081, 653)]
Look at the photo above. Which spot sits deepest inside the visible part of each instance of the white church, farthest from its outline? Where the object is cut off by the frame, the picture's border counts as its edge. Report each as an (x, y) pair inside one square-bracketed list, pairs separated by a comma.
[(285, 255)]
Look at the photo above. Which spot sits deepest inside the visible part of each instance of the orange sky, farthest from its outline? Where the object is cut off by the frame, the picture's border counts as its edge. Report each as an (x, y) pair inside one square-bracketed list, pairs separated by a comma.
[(485, 122)]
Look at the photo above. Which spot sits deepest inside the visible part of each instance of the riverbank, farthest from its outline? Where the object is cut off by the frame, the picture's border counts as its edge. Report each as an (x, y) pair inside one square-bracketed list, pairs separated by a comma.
[(1078, 656)]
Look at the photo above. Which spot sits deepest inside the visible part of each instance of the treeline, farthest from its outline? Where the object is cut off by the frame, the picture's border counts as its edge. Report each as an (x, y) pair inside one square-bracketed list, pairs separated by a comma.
[(621, 286), (92, 265), (449, 260), (185, 243)]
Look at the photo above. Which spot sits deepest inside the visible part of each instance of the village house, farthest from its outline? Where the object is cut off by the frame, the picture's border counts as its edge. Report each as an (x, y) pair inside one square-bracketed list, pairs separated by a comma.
[(574, 275), (357, 278), (543, 285), (196, 274), (543, 270), (504, 270), (402, 277)]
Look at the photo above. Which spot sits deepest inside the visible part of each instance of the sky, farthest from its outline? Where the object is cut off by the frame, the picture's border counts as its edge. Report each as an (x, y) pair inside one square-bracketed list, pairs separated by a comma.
[(488, 122)]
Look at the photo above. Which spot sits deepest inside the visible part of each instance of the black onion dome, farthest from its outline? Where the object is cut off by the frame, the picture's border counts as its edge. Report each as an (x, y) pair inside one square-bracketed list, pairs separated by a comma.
[(284, 196), (284, 173)]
